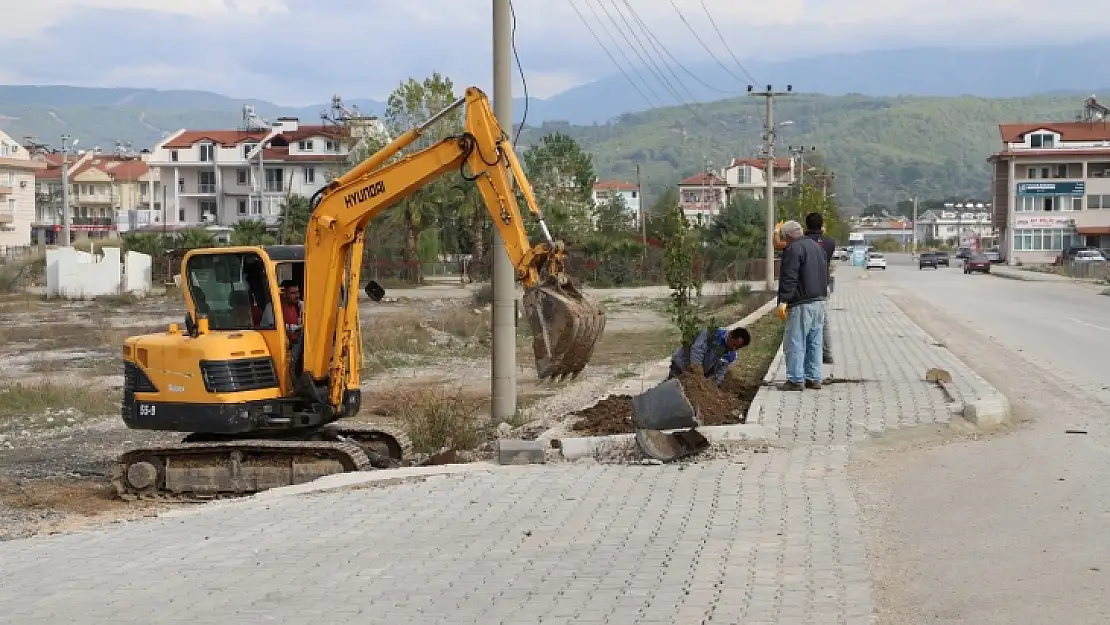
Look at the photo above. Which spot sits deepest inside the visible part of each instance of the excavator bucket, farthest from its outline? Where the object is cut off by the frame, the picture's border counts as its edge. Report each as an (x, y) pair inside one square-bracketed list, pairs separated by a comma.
[(566, 325)]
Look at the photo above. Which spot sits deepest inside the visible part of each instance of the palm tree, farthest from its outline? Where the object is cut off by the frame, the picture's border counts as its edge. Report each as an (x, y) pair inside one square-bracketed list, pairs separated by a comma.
[(251, 232), (194, 238), (293, 221)]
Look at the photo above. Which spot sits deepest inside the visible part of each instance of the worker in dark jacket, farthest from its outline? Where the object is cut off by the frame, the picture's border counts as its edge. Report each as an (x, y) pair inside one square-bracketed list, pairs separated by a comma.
[(803, 287), (815, 229), (711, 354)]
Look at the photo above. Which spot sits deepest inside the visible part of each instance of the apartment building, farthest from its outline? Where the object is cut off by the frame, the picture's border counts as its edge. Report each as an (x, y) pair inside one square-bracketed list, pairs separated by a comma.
[(630, 193), (967, 224), (17, 192), (747, 177), (220, 177), (108, 194), (1051, 186), (702, 197)]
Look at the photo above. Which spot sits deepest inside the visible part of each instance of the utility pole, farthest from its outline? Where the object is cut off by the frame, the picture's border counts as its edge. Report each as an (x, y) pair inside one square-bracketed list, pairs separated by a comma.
[(769, 142), (800, 152), (65, 188), (913, 250), (643, 209), (503, 365)]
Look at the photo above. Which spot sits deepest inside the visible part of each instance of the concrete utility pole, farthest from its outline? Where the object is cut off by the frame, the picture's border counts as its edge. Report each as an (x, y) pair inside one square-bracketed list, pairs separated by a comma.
[(643, 209), (769, 142), (503, 373), (65, 188), (800, 152), (913, 249)]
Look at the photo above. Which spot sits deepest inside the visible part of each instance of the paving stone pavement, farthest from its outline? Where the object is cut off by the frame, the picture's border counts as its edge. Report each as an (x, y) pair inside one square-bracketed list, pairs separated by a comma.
[(752, 539), (880, 358), (775, 540)]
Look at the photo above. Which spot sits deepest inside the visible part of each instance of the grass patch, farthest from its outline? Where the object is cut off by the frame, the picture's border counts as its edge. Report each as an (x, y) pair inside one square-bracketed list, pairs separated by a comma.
[(396, 340), (434, 419), (629, 348), (53, 402), (754, 360)]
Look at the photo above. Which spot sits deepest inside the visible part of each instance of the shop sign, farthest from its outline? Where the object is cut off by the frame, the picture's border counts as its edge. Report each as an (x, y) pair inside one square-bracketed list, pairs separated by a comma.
[(1052, 188), (1043, 222)]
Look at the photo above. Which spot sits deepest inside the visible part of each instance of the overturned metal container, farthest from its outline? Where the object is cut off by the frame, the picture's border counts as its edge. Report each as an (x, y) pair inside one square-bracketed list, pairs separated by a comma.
[(665, 407)]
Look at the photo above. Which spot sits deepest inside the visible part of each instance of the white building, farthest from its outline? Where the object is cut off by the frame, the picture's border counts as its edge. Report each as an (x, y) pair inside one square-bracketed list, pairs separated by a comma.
[(630, 193), (747, 177), (964, 225), (17, 193), (220, 177)]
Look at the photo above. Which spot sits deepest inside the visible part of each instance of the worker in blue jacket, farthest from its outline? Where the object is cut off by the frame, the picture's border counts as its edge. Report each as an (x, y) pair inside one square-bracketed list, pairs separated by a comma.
[(711, 353)]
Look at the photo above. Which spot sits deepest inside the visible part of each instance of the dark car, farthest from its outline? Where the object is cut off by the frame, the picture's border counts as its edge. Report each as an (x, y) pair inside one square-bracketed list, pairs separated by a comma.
[(927, 259), (977, 263), (943, 259), (963, 252)]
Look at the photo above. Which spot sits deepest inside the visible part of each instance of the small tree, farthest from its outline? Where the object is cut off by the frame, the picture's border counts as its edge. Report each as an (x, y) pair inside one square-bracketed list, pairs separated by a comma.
[(292, 223), (680, 244), (612, 217), (251, 232)]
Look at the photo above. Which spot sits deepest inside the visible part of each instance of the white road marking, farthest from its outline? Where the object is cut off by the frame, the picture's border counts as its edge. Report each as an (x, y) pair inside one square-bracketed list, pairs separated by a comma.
[(1088, 324)]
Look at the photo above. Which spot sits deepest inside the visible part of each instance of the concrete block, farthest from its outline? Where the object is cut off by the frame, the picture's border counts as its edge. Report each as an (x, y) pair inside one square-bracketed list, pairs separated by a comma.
[(513, 451), (988, 412)]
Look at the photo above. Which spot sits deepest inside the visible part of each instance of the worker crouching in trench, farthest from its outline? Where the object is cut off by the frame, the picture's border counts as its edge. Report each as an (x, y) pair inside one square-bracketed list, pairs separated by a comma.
[(711, 353)]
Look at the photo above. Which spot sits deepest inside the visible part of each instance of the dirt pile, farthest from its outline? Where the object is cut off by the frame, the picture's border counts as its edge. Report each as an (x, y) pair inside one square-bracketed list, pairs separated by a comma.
[(725, 405)]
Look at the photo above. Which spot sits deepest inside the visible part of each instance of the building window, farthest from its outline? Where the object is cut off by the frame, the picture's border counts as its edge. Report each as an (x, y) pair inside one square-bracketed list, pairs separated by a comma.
[(1042, 140), (206, 152), (1048, 203), (305, 146), (11, 205), (1096, 202), (247, 147), (633, 195), (275, 180), (242, 208), (206, 182), (173, 156), (181, 214), (330, 146), (310, 175), (242, 177), (256, 206), (1044, 240), (208, 208), (1077, 203)]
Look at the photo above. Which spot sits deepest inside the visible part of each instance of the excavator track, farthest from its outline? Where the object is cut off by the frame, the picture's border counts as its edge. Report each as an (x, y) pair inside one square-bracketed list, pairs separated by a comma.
[(197, 472), (390, 444)]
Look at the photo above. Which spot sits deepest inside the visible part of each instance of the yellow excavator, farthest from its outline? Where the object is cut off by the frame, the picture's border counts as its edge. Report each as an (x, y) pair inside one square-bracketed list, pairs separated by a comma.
[(262, 402)]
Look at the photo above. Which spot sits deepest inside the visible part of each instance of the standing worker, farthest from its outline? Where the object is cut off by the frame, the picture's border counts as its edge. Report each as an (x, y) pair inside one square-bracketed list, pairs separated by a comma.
[(803, 285), (815, 229), (710, 356)]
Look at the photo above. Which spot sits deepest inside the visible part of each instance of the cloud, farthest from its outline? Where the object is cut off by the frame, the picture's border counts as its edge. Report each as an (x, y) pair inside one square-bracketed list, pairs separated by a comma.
[(301, 51)]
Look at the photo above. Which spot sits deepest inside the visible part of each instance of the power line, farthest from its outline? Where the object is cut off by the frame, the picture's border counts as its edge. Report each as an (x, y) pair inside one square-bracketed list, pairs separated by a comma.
[(703, 45), (714, 23), (652, 37), (648, 62), (607, 53), (652, 44)]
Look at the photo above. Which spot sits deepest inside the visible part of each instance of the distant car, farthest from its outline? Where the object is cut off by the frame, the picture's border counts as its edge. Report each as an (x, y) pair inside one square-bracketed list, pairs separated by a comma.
[(841, 253), (994, 256), (926, 259), (1088, 256), (943, 259), (964, 252), (977, 263), (876, 261)]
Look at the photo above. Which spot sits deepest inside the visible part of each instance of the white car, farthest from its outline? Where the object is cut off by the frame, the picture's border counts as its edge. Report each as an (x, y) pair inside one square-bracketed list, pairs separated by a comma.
[(841, 253), (1089, 256), (876, 261)]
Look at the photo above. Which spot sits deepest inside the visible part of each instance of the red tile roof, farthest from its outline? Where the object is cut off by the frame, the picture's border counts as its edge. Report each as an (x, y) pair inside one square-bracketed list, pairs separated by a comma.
[(1068, 131), (120, 168), (613, 185), (226, 138), (760, 163), (702, 179)]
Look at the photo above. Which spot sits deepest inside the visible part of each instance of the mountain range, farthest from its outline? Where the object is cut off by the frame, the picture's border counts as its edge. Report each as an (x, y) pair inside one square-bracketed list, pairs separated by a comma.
[(884, 119)]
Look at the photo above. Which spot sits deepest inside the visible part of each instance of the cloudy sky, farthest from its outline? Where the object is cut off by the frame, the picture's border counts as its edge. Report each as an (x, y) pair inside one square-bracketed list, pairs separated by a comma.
[(297, 52)]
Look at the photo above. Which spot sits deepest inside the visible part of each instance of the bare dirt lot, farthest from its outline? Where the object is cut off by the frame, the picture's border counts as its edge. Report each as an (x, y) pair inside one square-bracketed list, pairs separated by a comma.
[(426, 368)]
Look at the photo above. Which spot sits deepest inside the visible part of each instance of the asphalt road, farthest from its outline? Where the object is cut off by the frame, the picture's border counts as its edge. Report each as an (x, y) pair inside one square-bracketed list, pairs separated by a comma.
[(1011, 527)]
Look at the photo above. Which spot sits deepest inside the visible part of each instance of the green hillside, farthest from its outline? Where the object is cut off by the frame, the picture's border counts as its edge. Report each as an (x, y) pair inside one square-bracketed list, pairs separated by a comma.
[(875, 145)]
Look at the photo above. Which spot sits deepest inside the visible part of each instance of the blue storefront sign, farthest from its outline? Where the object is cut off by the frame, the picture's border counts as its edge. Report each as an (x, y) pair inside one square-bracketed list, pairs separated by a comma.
[(1077, 189)]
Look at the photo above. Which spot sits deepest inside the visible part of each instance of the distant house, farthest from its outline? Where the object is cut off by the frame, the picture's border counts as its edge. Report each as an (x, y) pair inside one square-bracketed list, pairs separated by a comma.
[(604, 190), (17, 192), (747, 177), (702, 197)]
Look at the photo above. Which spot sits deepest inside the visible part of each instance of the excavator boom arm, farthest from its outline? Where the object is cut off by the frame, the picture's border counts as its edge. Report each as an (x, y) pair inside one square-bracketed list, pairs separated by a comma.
[(334, 241)]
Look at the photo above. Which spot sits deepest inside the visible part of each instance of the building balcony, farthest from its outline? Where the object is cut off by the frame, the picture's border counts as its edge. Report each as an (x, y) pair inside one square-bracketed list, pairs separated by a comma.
[(92, 221), (6, 189), (7, 217), (197, 189)]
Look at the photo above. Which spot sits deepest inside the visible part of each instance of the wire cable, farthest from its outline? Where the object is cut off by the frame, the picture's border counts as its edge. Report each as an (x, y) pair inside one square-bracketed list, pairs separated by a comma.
[(520, 68), (649, 37), (609, 54), (647, 62), (703, 44), (621, 50), (730, 53), (652, 38)]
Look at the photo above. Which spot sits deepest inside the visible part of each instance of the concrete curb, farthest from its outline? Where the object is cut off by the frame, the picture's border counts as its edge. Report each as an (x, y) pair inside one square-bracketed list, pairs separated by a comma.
[(588, 446), (573, 447)]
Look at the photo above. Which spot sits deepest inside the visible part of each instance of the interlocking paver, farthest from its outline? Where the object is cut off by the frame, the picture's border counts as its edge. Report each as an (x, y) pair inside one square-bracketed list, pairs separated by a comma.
[(877, 344)]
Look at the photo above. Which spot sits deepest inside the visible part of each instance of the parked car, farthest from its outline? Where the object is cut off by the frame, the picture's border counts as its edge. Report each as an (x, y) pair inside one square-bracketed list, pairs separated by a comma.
[(1088, 256), (876, 261), (926, 259), (1069, 254), (993, 255), (964, 252), (943, 259), (841, 253), (977, 263)]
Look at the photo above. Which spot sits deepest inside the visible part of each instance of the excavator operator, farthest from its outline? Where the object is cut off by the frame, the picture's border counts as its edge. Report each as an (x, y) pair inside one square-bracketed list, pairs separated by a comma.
[(292, 309)]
